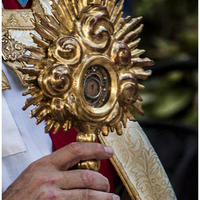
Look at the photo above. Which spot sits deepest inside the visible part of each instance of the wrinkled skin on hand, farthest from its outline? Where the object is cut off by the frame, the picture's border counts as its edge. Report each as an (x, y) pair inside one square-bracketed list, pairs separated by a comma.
[(50, 177)]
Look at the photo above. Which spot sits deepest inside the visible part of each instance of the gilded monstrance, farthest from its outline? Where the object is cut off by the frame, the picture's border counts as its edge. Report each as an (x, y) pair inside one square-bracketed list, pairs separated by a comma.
[(82, 69), (85, 66)]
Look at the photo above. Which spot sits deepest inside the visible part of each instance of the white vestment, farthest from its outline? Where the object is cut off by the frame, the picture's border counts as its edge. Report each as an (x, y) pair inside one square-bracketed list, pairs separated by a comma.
[(22, 141)]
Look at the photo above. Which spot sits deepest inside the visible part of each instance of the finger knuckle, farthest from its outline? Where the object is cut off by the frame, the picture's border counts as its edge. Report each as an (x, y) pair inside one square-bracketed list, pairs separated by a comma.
[(88, 177), (47, 180), (48, 193), (75, 148), (99, 149), (88, 194), (40, 179)]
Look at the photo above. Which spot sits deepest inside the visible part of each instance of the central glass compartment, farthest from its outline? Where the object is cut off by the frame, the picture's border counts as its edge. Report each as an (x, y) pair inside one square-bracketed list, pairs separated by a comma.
[(96, 87)]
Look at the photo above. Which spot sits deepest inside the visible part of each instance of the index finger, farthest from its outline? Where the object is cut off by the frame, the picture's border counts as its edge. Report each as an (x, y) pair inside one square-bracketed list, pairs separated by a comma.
[(73, 153)]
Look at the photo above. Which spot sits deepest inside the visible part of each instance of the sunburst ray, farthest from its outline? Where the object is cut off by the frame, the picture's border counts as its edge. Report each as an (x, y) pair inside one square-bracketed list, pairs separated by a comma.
[(33, 60), (139, 97), (49, 125), (67, 12), (137, 52), (121, 23), (134, 44), (132, 35), (55, 23), (141, 73), (71, 8), (129, 114), (42, 116), (36, 52), (47, 25), (124, 119), (80, 6), (43, 32), (138, 108), (140, 62), (111, 7), (38, 109), (30, 80), (32, 71), (39, 41), (57, 127), (67, 125), (140, 87), (76, 10), (60, 15), (31, 90), (117, 12), (127, 28), (36, 98)]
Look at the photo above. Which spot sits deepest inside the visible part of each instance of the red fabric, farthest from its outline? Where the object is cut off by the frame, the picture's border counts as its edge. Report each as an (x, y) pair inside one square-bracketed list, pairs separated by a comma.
[(61, 138), (14, 4)]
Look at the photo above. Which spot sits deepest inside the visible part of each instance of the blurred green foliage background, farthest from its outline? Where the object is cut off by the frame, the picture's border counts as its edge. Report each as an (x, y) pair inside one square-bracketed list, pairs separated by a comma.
[(170, 38)]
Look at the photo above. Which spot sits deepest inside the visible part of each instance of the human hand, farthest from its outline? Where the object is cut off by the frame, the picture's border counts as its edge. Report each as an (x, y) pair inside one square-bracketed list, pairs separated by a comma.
[(50, 177)]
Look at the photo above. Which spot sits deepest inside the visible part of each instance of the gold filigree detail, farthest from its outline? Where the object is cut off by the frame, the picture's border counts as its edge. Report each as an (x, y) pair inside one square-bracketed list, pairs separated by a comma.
[(12, 21), (11, 49), (138, 165), (17, 19), (25, 16)]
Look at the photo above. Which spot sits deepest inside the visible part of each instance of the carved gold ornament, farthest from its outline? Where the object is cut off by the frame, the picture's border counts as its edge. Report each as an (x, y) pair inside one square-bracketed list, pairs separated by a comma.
[(85, 66), (81, 69)]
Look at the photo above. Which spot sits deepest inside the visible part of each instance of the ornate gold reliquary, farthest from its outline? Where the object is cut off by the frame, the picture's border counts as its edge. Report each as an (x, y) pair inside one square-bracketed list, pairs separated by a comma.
[(80, 63)]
